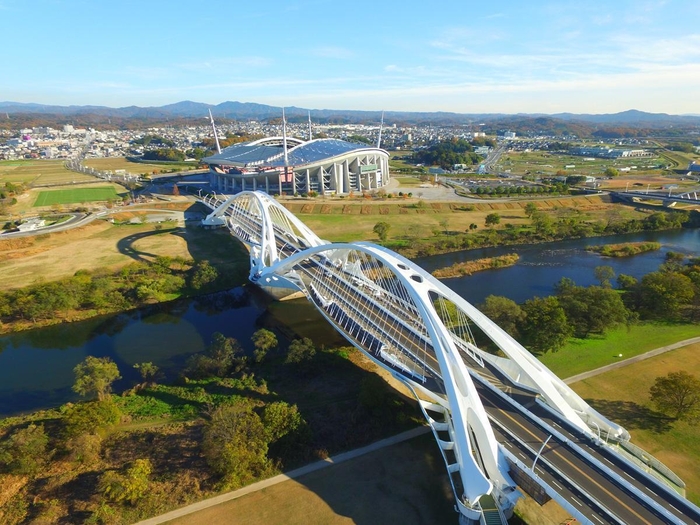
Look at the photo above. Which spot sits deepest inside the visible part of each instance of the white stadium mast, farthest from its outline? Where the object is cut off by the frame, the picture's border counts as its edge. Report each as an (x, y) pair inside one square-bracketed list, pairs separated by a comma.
[(216, 136), (311, 135), (379, 138)]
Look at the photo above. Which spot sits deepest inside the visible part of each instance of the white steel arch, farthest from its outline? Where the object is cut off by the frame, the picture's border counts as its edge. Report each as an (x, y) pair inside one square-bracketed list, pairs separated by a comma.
[(411, 324)]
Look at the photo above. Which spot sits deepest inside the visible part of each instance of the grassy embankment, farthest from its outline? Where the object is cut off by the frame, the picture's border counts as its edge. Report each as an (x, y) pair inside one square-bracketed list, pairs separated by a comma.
[(623, 395), (625, 249)]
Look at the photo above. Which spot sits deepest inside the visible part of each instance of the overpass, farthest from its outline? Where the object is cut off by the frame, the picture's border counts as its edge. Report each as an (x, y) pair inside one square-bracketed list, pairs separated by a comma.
[(501, 419), (668, 199)]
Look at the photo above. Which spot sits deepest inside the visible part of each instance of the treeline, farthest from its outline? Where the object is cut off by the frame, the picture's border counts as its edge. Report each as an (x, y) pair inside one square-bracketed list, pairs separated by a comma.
[(543, 228), (447, 153), (164, 154), (545, 324), (93, 293)]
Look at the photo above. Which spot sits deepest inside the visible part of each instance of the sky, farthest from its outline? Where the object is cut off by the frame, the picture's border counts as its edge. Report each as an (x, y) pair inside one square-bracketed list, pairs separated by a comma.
[(511, 56)]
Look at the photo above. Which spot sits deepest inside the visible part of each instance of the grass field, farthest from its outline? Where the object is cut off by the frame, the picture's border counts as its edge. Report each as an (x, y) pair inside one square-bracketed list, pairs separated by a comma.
[(39, 172), (101, 245), (353, 220), (623, 395), (121, 163), (581, 355), (99, 193)]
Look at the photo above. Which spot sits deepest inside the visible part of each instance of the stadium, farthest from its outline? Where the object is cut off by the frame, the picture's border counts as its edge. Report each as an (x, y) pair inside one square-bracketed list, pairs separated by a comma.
[(289, 166)]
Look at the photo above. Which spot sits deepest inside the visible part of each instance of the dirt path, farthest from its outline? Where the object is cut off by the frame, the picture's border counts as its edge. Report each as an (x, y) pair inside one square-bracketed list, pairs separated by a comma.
[(635, 359)]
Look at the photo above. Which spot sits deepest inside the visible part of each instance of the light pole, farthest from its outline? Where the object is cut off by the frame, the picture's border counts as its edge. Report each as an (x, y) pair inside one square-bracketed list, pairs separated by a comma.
[(540, 452)]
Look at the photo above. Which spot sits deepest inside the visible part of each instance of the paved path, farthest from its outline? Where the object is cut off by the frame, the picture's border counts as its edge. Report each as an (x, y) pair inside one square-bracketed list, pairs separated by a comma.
[(625, 362), (345, 456)]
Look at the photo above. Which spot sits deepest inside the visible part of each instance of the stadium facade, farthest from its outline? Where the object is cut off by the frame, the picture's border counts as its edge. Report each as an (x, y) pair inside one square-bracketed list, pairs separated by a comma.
[(324, 166)]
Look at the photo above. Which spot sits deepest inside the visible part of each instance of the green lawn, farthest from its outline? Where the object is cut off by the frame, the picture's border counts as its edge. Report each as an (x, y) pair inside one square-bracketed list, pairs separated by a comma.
[(100, 193), (581, 355), (623, 395)]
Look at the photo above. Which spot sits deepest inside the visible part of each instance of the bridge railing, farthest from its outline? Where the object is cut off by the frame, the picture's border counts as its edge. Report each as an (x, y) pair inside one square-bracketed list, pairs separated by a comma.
[(587, 457)]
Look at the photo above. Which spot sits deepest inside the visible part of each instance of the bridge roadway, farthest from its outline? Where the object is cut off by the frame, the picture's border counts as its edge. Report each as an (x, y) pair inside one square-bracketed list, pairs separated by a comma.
[(520, 432), (605, 488)]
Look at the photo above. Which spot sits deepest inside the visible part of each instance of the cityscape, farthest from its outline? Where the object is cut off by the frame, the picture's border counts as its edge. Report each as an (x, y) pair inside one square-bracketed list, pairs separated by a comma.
[(277, 263)]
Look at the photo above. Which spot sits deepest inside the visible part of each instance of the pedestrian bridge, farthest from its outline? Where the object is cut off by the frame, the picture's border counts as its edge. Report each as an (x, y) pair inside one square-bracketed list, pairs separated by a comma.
[(500, 417)]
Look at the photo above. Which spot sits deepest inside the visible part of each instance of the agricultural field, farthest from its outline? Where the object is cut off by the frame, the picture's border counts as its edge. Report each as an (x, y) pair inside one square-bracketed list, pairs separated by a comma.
[(39, 173), (623, 395), (75, 195)]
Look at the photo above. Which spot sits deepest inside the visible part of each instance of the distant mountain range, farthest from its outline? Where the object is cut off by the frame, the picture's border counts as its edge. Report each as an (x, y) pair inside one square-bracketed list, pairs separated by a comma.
[(248, 110)]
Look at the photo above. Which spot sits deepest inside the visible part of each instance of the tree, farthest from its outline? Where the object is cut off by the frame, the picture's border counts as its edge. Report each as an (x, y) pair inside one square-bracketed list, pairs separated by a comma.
[(530, 209), (235, 444), (626, 282), (591, 310), (677, 393), (543, 223), (220, 358), (280, 419), (445, 223), (95, 375), (301, 350), (130, 486), (382, 230), (604, 274), (492, 219), (611, 172), (93, 417), (545, 327), (203, 275), (25, 452), (147, 370), (662, 295), (263, 341), (505, 312)]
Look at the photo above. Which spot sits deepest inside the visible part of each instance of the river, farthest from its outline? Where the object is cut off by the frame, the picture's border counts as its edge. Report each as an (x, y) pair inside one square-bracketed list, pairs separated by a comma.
[(36, 366)]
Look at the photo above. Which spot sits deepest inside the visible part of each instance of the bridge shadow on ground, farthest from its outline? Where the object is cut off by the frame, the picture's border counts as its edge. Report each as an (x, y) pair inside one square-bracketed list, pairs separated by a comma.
[(404, 483), (632, 415)]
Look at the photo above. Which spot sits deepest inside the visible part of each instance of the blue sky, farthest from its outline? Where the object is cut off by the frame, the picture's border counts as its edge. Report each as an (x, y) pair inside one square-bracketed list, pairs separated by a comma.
[(444, 55)]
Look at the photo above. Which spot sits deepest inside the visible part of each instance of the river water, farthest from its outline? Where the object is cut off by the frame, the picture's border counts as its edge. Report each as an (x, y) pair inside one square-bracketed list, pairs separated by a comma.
[(36, 366)]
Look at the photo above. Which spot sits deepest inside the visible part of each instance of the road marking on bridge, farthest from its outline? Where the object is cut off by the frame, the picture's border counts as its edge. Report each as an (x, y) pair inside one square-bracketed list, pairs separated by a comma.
[(597, 518), (557, 453)]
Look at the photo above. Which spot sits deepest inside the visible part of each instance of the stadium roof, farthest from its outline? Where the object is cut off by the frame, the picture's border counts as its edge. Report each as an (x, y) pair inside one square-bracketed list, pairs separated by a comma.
[(269, 152)]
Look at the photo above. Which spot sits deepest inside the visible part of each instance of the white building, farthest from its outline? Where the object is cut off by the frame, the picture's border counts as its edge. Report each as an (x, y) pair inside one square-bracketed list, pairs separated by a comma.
[(325, 166)]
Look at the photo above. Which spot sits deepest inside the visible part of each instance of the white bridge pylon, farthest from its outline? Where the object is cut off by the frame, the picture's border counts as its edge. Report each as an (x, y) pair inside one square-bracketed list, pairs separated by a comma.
[(411, 324)]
